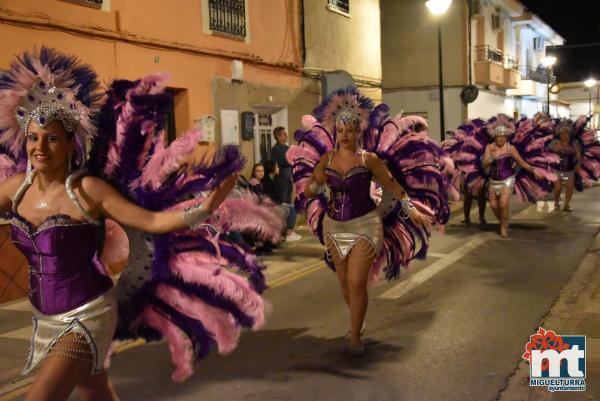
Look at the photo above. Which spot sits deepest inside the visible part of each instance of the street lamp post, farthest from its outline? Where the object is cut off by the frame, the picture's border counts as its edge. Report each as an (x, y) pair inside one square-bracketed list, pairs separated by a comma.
[(590, 83), (548, 62), (439, 7)]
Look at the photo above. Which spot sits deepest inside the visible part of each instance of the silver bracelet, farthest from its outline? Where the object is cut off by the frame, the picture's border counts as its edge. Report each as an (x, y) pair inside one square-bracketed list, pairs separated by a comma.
[(314, 187), (407, 206), (193, 215)]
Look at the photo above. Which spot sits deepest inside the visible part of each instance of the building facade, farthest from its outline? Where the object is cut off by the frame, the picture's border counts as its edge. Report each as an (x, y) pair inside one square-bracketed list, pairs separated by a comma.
[(492, 44), (239, 68)]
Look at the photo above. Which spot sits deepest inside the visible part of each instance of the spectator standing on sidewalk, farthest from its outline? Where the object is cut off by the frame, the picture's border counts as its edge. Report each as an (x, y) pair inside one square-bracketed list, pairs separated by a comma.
[(269, 181), (283, 180)]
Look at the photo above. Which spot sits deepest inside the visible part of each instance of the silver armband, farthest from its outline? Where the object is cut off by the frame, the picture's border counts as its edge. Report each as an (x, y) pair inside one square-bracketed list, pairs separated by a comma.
[(314, 187), (406, 207), (193, 215)]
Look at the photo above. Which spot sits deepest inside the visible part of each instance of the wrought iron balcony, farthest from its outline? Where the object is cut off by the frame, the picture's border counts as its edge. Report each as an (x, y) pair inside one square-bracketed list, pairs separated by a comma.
[(228, 17), (488, 53), (89, 3), (540, 75)]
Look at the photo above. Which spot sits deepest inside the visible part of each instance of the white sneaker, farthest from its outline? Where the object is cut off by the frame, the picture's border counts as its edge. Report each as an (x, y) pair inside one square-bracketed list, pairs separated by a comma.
[(293, 237)]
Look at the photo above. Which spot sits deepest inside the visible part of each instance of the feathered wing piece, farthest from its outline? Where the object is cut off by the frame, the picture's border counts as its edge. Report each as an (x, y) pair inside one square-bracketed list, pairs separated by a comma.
[(466, 149), (413, 159), (193, 288), (418, 163), (531, 143), (587, 140)]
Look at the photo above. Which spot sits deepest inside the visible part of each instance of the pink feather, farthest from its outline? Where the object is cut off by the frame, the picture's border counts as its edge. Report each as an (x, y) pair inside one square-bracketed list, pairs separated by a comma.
[(218, 322), (182, 353), (197, 268)]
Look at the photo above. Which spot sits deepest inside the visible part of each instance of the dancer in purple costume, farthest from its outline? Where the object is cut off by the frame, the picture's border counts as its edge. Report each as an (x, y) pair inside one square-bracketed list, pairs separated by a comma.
[(346, 145), (181, 282), (578, 165), (569, 154), (500, 159)]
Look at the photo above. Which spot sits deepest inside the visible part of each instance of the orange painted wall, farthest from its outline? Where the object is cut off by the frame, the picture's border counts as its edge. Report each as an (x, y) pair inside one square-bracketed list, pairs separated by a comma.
[(274, 38), (273, 33)]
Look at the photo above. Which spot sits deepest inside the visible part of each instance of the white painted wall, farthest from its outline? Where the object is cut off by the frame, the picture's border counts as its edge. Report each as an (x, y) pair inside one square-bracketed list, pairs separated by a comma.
[(488, 104), (426, 104)]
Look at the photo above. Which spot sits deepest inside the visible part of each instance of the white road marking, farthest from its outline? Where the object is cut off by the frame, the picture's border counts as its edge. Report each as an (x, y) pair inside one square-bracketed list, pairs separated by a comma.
[(419, 278), (18, 334), (20, 306)]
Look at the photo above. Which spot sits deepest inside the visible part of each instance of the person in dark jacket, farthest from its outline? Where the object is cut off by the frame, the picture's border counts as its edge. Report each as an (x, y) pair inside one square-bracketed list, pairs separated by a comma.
[(269, 186), (283, 180)]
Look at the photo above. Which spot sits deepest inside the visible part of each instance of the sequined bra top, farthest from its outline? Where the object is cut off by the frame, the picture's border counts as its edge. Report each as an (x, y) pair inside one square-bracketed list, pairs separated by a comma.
[(64, 268), (502, 168), (350, 192)]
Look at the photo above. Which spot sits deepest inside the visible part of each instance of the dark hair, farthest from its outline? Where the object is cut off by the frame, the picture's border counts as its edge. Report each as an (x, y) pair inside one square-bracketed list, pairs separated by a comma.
[(277, 131), (254, 169), (269, 167)]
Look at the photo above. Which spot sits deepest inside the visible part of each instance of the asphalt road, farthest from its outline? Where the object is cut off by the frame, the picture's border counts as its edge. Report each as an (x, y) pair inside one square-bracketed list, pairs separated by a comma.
[(453, 328)]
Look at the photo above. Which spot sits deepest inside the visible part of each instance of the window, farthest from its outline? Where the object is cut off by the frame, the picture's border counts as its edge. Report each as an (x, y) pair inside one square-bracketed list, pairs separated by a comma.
[(496, 22), (265, 129), (339, 5), (538, 43), (228, 17), (89, 3)]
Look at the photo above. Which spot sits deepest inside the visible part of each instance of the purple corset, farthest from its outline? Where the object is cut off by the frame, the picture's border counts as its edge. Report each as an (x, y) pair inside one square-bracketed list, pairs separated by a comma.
[(568, 160), (502, 168), (350, 193), (64, 271)]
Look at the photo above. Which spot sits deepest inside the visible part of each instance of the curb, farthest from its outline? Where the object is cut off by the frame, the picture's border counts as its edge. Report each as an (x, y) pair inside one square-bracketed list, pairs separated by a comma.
[(564, 316)]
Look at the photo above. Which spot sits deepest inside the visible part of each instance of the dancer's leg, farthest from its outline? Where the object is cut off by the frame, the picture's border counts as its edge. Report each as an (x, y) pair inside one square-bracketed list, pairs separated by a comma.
[(504, 212), (467, 202), (97, 388), (569, 194), (360, 261), (557, 190), (59, 375)]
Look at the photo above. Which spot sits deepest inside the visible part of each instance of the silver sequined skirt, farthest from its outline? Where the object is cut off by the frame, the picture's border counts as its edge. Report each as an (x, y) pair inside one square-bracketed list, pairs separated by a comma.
[(345, 234), (94, 323), (496, 187), (565, 176)]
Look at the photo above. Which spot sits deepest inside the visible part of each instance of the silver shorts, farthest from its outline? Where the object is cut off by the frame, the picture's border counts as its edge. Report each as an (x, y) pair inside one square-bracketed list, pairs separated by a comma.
[(496, 187)]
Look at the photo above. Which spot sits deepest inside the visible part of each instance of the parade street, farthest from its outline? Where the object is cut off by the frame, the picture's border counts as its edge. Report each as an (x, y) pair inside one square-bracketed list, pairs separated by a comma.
[(453, 328)]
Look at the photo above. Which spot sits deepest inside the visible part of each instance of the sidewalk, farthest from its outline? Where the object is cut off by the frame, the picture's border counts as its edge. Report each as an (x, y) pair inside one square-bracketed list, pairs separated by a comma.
[(577, 312)]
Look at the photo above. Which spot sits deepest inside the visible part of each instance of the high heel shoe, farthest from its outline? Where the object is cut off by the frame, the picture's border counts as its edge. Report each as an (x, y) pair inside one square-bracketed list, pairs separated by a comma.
[(357, 350), (349, 334)]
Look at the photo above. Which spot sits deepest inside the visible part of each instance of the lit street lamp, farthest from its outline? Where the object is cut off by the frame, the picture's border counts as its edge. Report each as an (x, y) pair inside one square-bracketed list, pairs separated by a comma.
[(548, 62), (437, 8), (590, 83)]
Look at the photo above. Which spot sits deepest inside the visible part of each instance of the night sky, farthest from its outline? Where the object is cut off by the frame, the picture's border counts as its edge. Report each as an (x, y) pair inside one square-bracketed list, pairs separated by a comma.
[(578, 22)]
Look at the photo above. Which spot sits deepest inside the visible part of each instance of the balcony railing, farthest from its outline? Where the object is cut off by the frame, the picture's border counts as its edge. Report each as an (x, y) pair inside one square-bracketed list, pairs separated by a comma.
[(488, 53), (89, 3), (538, 75), (227, 16), (510, 62)]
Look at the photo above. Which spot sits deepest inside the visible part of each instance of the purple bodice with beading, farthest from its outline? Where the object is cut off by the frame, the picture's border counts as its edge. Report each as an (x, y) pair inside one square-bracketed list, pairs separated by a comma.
[(502, 168), (64, 269), (350, 193), (568, 159)]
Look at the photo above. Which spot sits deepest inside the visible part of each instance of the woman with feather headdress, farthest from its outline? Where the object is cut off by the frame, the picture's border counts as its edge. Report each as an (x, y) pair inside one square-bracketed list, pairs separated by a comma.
[(183, 283)]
